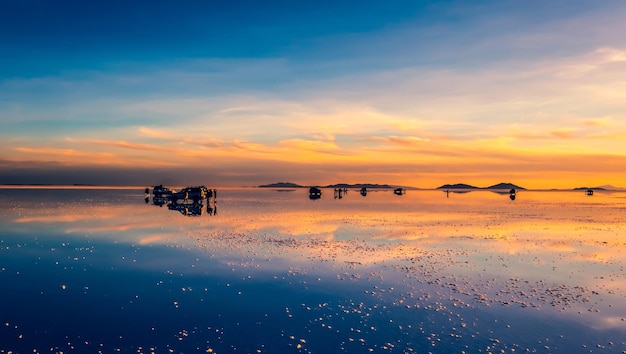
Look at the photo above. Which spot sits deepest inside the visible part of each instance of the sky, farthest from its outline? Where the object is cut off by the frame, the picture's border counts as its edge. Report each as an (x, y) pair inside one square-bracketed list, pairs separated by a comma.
[(243, 93)]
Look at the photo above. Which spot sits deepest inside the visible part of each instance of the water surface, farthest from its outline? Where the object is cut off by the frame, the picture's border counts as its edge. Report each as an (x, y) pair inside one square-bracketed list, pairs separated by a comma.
[(88, 270)]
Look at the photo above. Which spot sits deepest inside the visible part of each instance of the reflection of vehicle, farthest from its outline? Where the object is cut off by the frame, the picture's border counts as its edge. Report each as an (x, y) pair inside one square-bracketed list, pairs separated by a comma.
[(399, 191), (193, 209), (160, 201)]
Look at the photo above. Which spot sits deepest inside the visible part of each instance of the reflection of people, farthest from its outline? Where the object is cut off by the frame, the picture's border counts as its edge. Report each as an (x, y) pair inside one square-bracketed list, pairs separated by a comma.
[(211, 209)]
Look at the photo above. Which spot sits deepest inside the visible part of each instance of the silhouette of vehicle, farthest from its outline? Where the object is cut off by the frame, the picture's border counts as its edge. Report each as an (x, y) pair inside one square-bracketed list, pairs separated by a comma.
[(161, 192), (364, 191), (194, 194), (315, 193), (188, 201)]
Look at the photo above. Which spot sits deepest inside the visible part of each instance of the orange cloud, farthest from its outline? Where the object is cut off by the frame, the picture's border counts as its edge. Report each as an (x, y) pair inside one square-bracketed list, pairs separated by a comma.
[(62, 152), (596, 122), (153, 133), (563, 133), (319, 146), (401, 140), (117, 143)]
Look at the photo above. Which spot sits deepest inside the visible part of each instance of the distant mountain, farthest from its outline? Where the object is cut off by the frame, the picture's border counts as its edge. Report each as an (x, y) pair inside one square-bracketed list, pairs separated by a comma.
[(505, 186), (359, 185), (281, 185), (586, 188), (457, 186), (611, 188), (606, 187), (338, 185)]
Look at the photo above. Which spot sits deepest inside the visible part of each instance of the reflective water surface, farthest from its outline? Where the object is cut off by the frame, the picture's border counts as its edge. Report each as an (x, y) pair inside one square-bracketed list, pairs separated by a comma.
[(261, 270)]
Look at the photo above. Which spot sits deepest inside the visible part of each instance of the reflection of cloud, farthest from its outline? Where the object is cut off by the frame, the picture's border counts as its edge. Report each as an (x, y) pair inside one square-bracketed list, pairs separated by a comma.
[(609, 322), (62, 218), (116, 227), (152, 239), (472, 242)]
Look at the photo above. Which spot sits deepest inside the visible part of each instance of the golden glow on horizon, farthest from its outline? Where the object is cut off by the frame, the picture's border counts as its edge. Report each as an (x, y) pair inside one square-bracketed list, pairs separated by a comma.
[(522, 133), (409, 160)]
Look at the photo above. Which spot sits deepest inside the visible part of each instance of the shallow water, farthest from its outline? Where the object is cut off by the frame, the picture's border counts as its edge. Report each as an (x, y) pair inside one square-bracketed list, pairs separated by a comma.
[(86, 270)]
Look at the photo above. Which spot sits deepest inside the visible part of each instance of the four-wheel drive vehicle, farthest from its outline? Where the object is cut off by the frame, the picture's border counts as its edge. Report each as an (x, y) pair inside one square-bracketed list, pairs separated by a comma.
[(194, 194)]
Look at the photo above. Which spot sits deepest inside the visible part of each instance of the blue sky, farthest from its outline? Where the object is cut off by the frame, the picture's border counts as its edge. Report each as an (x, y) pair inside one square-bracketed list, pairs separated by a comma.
[(401, 92)]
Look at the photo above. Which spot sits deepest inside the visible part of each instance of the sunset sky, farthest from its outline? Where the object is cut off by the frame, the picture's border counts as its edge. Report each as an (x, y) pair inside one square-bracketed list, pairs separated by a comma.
[(242, 93)]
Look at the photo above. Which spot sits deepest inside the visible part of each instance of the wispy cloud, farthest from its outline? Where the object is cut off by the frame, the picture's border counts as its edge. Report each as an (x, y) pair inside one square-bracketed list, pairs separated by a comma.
[(116, 143), (401, 140), (62, 152), (597, 122)]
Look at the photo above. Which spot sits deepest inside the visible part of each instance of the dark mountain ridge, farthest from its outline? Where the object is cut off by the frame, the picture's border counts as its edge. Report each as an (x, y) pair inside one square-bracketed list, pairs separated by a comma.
[(281, 185), (457, 186), (502, 185), (338, 185)]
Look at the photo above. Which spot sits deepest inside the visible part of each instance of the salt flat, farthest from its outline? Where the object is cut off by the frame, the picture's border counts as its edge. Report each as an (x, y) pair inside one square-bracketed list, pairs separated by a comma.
[(270, 271)]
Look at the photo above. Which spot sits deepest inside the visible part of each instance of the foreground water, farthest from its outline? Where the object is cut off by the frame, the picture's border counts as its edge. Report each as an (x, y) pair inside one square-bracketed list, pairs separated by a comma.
[(266, 271)]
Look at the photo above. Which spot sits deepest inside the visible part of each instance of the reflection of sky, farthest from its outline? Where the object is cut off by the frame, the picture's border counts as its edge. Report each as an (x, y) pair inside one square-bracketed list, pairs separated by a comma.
[(557, 251)]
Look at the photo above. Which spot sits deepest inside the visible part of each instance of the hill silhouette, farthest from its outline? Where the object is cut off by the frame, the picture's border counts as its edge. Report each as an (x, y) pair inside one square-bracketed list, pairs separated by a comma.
[(505, 186), (281, 185), (359, 185), (468, 186), (457, 186), (337, 185)]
